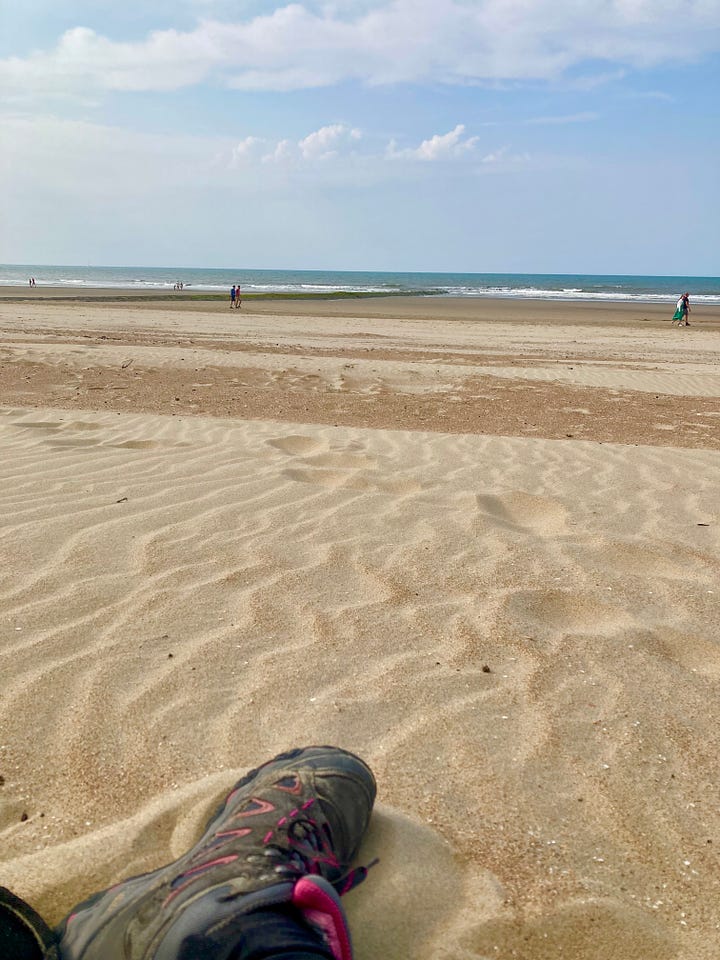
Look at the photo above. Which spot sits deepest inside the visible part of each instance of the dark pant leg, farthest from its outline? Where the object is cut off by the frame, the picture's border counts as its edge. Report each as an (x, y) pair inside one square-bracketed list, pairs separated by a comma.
[(279, 934)]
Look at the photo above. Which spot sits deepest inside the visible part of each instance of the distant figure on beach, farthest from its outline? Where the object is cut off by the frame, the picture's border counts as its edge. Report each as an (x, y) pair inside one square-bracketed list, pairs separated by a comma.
[(682, 309), (232, 296), (238, 299)]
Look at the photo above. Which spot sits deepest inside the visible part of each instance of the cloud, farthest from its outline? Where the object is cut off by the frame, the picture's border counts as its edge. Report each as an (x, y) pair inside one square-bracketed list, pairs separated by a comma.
[(502, 159), (324, 144), (351, 154), (560, 120), (91, 161), (653, 95), (298, 46), (441, 146), (247, 149)]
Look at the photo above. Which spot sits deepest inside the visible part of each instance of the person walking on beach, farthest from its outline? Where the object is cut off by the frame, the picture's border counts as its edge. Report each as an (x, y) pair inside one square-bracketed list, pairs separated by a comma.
[(685, 308), (238, 299), (682, 309), (232, 297)]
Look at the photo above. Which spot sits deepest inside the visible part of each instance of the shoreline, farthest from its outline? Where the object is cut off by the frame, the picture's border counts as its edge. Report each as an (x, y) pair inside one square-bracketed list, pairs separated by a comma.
[(21, 292), (396, 307), (113, 294)]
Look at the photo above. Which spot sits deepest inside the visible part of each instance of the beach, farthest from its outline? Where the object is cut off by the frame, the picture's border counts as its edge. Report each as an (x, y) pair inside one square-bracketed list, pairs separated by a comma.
[(476, 541)]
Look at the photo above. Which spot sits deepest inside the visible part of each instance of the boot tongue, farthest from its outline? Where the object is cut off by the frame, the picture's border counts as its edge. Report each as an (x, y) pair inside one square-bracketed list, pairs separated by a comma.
[(319, 903)]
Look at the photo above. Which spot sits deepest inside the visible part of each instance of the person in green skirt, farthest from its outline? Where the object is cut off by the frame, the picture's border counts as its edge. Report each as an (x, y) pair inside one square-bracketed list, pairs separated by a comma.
[(682, 309)]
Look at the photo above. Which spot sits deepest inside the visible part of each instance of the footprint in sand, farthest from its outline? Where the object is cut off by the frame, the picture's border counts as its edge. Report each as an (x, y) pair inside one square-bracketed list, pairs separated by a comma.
[(81, 425), (342, 460), (70, 442), (336, 469), (522, 511), (561, 611), (669, 561), (352, 480), (39, 424), (296, 445), (329, 478), (137, 445), (694, 653), (401, 485)]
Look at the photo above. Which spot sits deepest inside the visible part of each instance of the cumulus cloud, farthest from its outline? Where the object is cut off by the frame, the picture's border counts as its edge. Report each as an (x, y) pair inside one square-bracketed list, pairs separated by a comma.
[(97, 162), (300, 45), (247, 148), (340, 141), (347, 153), (324, 144), (441, 146)]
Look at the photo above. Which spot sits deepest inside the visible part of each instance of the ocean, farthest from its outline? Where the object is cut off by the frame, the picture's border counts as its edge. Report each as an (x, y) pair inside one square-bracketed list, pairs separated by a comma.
[(513, 285)]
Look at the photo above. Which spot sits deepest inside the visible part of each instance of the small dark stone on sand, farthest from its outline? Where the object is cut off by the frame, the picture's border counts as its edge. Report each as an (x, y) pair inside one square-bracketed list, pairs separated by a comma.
[(486, 669), (24, 817)]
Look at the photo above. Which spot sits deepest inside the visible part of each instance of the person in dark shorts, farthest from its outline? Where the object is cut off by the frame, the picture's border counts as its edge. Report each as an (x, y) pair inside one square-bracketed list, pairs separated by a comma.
[(682, 309), (232, 296), (685, 309), (263, 882)]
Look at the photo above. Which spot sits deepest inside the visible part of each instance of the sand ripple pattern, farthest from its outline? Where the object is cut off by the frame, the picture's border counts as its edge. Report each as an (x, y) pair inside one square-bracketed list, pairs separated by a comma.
[(519, 635)]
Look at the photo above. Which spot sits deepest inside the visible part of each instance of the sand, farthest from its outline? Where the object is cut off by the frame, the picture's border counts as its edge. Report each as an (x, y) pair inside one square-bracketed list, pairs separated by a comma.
[(478, 544)]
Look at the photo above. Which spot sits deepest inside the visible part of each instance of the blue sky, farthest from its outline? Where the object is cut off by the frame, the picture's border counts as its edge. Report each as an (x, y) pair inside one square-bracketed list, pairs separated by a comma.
[(471, 135)]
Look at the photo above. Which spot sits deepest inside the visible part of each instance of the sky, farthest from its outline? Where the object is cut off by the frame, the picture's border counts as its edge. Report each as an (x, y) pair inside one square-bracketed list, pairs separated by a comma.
[(545, 136)]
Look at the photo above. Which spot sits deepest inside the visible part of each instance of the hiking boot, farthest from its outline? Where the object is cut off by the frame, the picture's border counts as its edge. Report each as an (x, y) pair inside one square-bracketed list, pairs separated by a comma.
[(284, 837)]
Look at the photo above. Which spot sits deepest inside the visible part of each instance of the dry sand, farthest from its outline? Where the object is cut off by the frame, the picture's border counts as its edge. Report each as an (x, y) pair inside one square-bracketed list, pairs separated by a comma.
[(477, 543)]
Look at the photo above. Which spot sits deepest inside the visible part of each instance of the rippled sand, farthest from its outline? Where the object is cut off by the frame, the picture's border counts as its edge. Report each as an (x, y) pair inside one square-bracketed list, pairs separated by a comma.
[(519, 633)]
